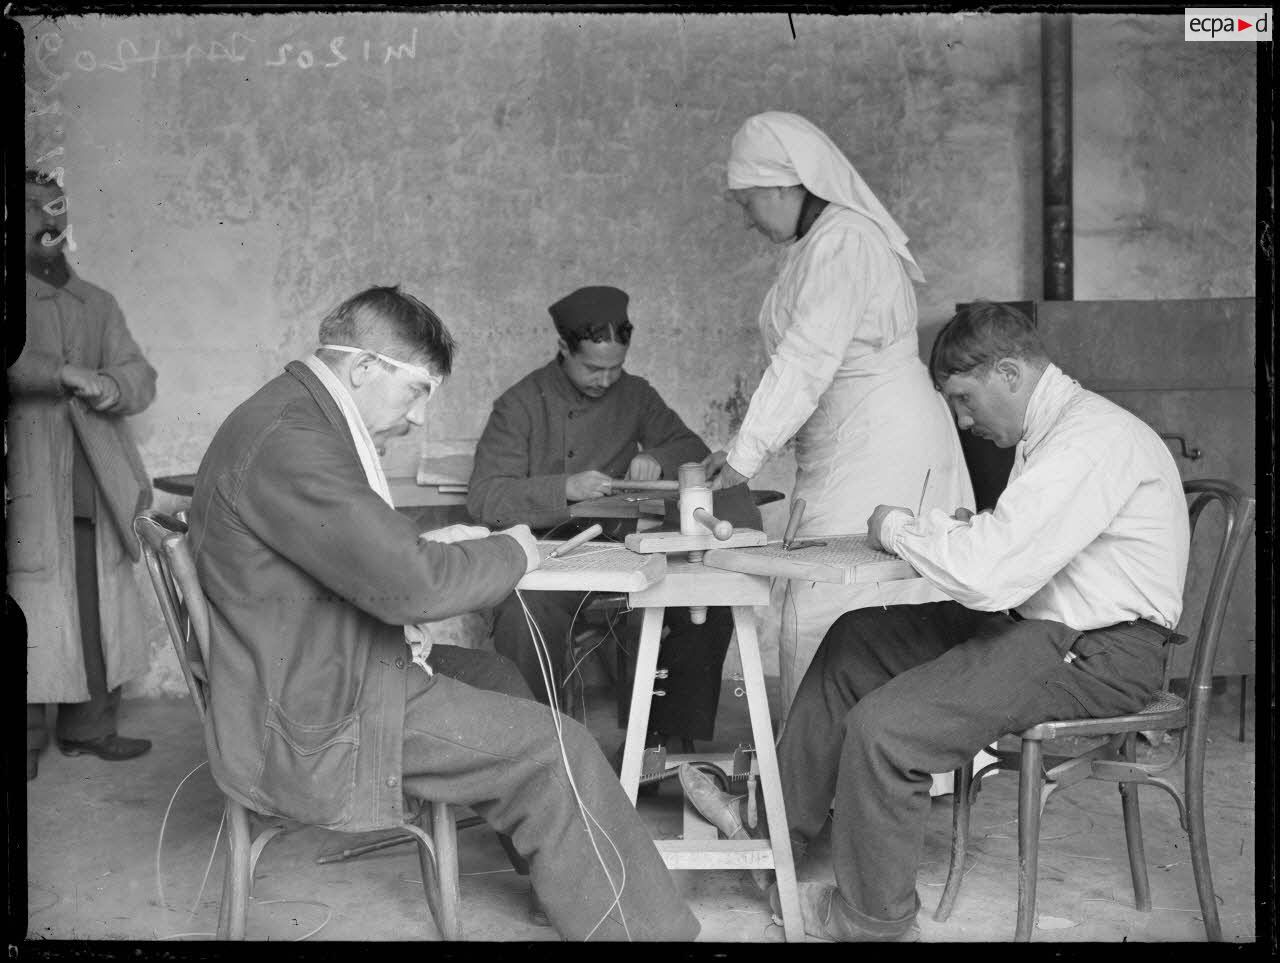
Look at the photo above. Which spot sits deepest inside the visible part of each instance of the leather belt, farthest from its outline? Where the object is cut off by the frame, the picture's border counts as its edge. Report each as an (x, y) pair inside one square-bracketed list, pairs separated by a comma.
[(1168, 636)]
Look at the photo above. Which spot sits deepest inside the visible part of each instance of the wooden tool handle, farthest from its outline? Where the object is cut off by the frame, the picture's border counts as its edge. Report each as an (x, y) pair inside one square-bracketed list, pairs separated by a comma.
[(569, 546), (720, 528), (661, 485), (793, 523)]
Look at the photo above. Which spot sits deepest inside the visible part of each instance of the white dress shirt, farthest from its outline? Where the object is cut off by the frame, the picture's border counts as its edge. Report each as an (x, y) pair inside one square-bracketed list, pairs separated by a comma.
[(1091, 531)]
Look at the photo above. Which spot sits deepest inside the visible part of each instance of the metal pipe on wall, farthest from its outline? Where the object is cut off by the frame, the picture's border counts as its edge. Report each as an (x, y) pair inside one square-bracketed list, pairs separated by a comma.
[(989, 466), (1055, 58)]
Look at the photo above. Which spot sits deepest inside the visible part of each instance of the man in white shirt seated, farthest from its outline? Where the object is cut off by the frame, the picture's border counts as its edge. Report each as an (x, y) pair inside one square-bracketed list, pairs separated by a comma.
[(1064, 596)]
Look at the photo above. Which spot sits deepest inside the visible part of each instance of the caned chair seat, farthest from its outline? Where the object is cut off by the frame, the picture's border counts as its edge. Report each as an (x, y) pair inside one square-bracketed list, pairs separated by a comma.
[(1164, 702), (1164, 711)]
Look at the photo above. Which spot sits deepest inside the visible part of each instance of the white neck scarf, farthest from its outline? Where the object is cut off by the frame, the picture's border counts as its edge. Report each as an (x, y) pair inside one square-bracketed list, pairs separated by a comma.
[(365, 447), (416, 636), (778, 149)]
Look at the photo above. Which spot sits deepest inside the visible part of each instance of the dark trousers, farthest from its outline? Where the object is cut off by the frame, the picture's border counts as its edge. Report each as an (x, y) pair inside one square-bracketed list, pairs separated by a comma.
[(81, 721), (896, 694), (472, 736), (693, 655)]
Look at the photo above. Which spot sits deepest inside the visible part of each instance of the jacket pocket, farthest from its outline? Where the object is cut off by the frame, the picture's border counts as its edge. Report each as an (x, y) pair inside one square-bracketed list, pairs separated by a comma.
[(309, 771)]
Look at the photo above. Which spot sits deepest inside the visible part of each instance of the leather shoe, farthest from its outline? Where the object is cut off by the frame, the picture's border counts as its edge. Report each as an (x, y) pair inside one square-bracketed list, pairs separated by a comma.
[(722, 811), (816, 910), (716, 807), (33, 763), (113, 748)]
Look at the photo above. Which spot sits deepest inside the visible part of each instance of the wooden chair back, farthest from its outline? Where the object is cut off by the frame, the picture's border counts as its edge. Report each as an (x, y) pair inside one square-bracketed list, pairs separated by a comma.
[(1239, 511), (172, 568)]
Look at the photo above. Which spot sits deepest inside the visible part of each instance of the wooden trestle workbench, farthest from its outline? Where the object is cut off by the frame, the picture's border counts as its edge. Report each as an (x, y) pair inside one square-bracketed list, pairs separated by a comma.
[(738, 578)]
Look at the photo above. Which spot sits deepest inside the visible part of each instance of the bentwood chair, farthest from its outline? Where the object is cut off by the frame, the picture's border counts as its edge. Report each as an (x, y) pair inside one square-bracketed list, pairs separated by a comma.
[(1115, 759), (186, 615)]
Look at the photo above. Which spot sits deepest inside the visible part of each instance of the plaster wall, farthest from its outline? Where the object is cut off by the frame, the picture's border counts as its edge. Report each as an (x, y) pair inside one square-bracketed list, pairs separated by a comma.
[(233, 177)]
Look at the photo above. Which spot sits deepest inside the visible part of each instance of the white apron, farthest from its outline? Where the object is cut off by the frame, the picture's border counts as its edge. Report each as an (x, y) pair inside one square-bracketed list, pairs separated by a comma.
[(878, 431)]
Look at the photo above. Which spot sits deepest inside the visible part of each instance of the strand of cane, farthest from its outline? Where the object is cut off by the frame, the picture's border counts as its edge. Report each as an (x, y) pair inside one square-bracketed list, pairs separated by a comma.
[(544, 664)]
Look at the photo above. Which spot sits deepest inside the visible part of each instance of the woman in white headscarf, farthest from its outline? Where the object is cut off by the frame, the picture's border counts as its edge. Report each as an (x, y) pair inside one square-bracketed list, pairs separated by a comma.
[(845, 377)]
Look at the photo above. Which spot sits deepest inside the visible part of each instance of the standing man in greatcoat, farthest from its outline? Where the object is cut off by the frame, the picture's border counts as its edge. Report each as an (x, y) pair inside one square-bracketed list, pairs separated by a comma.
[(74, 479)]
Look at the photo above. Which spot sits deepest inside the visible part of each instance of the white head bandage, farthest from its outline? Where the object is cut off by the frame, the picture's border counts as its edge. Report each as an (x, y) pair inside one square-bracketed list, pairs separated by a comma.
[(415, 369), (779, 149)]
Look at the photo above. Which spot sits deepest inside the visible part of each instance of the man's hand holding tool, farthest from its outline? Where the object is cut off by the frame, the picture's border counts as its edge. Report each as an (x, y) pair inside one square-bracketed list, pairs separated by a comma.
[(584, 536)]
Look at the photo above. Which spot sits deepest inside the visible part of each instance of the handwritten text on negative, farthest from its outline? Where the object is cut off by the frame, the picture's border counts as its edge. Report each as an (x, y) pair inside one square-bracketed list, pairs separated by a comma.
[(56, 63)]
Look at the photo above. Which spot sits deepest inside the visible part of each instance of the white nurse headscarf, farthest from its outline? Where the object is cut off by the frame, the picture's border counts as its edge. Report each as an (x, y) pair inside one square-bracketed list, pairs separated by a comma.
[(778, 149)]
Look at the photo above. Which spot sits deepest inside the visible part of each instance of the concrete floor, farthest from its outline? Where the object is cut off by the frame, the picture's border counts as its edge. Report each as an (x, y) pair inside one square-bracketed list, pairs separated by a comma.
[(100, 868)]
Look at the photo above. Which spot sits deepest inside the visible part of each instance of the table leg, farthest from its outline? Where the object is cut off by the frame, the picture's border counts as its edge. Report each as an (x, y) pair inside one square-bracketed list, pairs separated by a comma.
[(641, 696), (744, 622)]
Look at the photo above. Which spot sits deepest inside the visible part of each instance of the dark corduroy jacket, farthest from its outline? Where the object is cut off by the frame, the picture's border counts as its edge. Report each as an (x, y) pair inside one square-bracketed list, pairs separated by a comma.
[(310, 578)]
